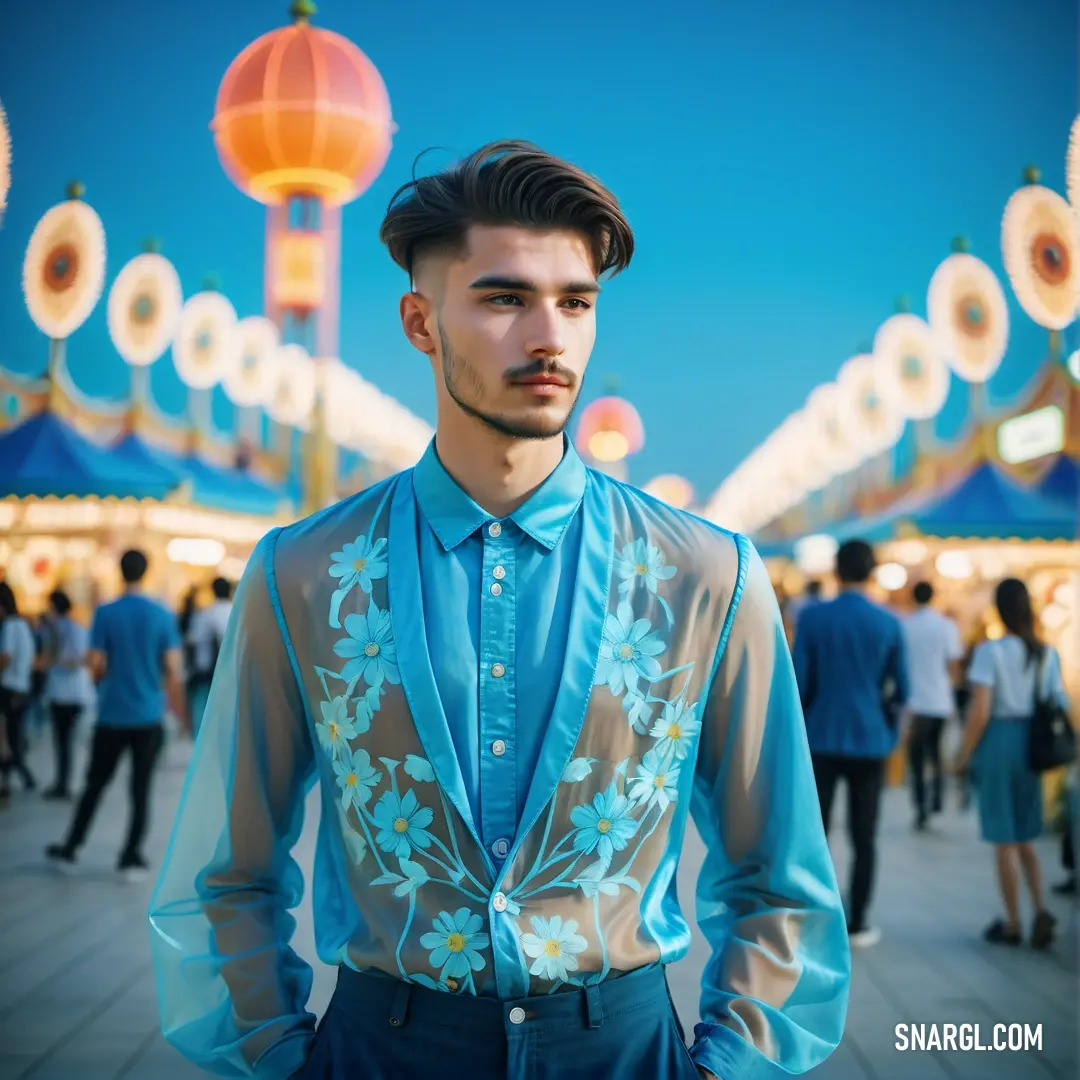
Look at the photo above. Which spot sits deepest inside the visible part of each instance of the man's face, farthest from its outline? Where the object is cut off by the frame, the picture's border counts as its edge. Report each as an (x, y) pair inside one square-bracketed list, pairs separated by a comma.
[(509, 328)]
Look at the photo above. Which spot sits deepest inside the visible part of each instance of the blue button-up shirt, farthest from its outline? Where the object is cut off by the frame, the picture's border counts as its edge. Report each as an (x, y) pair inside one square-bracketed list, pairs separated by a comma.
[(514, 579)]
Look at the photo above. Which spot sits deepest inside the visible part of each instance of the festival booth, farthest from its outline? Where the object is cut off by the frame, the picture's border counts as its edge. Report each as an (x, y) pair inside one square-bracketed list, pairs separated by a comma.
[(1001, 501)]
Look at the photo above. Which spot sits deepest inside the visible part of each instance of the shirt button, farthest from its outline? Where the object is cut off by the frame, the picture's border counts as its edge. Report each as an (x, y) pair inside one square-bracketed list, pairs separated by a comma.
[(517, 1015), (495, 529), (498, 902), (501, 848), (499, 573), (496, 589), (497, 671), (498, 748)]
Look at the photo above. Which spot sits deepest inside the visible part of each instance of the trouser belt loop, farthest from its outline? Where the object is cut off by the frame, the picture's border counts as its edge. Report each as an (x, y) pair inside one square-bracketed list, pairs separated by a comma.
[(400, 1008), (593, 1006)]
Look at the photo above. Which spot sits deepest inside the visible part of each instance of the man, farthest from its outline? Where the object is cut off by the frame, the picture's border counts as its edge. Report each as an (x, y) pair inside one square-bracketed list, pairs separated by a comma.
[(934, 654), (511, 677), (852, 675), (135, 656), (205, 635), (16, 670)]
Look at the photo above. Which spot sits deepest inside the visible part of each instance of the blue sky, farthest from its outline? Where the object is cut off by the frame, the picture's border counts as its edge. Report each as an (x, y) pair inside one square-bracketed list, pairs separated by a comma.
[(789, 170)]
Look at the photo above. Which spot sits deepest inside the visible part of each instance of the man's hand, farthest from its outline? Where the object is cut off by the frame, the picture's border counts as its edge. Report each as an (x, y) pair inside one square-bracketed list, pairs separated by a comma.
[(705, 1072)]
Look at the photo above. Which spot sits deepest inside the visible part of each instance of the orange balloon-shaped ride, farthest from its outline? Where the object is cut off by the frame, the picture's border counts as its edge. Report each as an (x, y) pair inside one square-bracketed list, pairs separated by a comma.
[(302, 111)]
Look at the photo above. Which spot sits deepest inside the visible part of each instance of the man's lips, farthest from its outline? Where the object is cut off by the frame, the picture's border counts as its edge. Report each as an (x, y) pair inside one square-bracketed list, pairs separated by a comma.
[(541, 380)]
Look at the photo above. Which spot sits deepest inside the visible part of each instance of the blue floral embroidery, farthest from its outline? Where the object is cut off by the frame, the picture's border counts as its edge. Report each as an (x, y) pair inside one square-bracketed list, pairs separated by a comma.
[(369, 648), (336, 728), (356, 776), (402, 823), (676, 729), (419, 769), (628, 651), (456, 943), (359, 563), (642, 564), (656, 782), (554, 946), (605, 826)]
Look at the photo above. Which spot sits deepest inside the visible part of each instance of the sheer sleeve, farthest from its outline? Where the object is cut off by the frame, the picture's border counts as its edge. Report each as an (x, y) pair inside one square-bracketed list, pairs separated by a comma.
[(775, 989), (231, 991)]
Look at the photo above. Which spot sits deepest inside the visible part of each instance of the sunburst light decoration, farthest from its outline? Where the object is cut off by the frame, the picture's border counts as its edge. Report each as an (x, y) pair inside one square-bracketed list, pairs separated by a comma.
[(839, 449), (295, 387), (876, 420), (250, 380), (205, 346), (967, 311), (5, 160), (144, 308), (1040, 243), (64, 268), (913, 371), (1072, 166)]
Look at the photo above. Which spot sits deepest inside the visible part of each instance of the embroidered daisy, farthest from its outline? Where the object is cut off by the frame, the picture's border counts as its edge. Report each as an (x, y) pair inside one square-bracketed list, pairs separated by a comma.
[(676, 730), (554, 946), (359, 563), (336, 728), (369, 648), (456, 943), (628, 651), (402, 823), (604, 826), (642, 564), (656, 781), (355, 776)]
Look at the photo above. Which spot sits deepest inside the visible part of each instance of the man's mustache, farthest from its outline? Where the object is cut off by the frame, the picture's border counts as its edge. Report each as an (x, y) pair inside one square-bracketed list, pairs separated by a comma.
[(542, 367)]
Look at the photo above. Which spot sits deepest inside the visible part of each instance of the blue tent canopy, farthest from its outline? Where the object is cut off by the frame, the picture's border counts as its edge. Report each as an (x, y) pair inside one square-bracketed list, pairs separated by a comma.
[(212, 486), (985, 505), (1062, 481), (45, 456)]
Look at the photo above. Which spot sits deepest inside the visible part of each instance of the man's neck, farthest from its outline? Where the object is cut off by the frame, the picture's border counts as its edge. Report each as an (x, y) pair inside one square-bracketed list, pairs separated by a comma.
[(859, 588), (133, 590), (497, 472)]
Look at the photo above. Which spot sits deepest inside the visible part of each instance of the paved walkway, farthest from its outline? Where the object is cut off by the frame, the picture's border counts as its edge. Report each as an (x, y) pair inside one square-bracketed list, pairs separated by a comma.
[(77, 991)]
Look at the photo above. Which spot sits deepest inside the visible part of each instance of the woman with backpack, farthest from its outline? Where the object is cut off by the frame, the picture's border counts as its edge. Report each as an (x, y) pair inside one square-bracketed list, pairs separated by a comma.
[(1009, 677)]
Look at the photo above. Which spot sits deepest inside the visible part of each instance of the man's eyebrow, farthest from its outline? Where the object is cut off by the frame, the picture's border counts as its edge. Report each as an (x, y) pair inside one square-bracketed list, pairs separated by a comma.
[(512, 284)]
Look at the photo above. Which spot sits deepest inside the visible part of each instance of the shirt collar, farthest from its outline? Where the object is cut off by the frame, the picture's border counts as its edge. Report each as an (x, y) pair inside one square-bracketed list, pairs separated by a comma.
[(454, 516)]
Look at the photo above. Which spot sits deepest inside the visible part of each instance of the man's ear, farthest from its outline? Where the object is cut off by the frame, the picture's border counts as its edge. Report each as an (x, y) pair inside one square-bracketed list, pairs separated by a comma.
[(415, 310)]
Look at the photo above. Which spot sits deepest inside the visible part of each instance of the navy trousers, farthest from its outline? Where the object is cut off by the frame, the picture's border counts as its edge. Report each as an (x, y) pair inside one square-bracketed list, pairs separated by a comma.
[(378, 1028)]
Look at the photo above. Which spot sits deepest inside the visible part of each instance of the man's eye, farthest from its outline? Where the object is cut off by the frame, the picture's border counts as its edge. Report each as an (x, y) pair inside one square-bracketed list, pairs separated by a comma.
[(578, 304), (504, 299)]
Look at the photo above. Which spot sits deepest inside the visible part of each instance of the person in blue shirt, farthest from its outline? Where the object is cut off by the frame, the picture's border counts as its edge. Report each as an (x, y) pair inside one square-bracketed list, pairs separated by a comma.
[(852, 672), (135, 655), (511, 679)]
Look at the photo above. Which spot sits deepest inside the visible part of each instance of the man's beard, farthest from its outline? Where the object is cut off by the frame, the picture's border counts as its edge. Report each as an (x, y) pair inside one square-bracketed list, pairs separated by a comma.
[(459, 373)]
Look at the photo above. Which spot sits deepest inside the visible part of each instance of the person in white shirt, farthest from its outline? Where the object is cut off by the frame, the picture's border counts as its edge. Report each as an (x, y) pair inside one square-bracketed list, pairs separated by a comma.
[(204, 637), (16, 664), (68, 687), (934, 652), (1005, 675)]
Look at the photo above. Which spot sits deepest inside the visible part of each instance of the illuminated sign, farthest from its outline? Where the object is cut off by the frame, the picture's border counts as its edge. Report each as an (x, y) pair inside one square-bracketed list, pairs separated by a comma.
[(299, 270), (1032, 435)]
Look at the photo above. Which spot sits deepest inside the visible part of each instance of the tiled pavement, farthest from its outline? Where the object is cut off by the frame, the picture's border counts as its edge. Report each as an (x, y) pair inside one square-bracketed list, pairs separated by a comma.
[(77, 992)]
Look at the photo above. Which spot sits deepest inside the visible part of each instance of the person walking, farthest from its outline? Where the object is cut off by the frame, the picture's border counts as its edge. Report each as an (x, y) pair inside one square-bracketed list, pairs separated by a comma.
[(511, 677), (934, 654), (135, 655), (851, 669), (68, 687), (1005, 676), (17, 652), (204, 637)]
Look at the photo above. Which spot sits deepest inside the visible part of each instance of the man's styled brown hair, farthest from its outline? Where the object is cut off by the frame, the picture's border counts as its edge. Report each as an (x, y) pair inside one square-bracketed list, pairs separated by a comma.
[(505, 183)]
